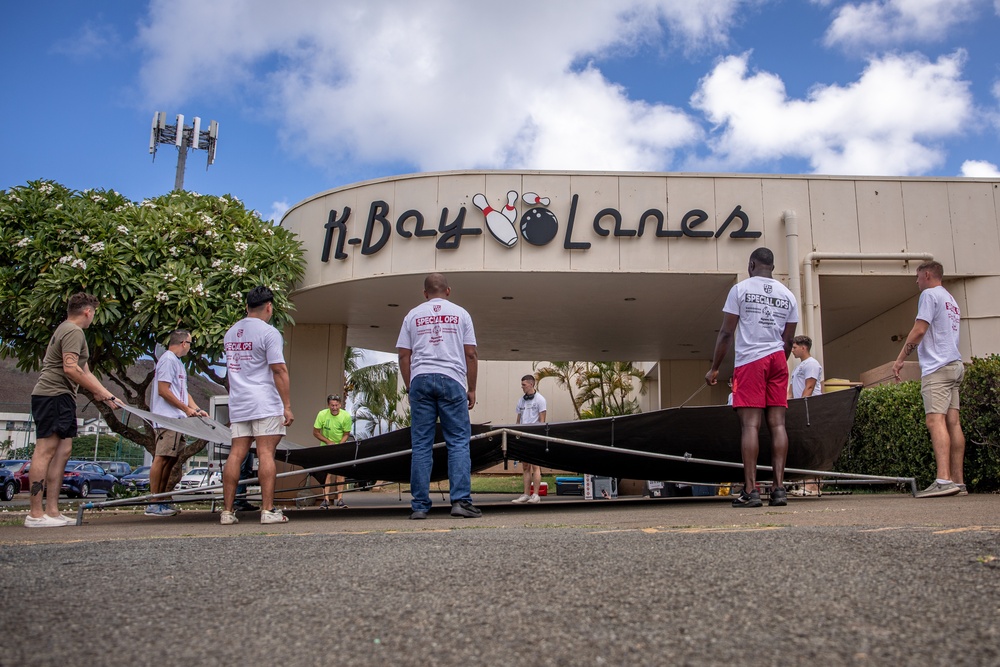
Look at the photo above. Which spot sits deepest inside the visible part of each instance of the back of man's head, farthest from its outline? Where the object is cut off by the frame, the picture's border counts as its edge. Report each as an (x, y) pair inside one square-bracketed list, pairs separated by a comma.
[(177, 336), (436, 284), (935, 269), (258, 297), (763, 257), (804, 341), (79, 301)]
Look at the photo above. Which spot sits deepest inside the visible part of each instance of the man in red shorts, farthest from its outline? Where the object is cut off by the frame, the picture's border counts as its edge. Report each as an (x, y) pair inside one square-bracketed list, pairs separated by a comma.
[(766, 313)]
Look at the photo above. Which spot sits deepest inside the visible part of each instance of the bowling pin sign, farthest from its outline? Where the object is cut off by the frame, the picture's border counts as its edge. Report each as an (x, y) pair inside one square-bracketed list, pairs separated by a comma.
[(535, 200), (509, 211), (497, 222)]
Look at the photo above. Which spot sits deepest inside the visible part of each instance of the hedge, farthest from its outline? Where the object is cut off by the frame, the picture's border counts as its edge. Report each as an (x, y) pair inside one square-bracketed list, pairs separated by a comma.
[(890, 438)]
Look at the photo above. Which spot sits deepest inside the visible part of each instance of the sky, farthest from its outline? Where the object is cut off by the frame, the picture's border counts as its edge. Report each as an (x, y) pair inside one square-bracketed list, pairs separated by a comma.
[(314, 94)]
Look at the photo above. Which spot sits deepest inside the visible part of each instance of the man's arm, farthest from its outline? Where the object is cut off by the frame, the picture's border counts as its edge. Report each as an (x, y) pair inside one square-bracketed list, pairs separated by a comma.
[(472, 372), (541, 416), (912, 341), (405, 356), (190, 409), (318, 434), (729, 322), (809, 388), (83, 377), (788, 337), (282, 384)]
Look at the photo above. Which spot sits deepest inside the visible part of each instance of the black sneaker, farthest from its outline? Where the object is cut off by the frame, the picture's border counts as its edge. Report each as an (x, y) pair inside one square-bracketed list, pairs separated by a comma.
[(244, 506), (778, 497), (418, 514), (465, 509), (745, 499)]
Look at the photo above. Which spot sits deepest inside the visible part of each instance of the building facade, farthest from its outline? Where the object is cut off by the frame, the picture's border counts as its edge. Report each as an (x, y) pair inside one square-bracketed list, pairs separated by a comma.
[(632, 266)]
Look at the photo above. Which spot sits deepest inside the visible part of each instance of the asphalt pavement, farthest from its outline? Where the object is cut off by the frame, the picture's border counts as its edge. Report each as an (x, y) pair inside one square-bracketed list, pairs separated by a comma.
[(839, 580)]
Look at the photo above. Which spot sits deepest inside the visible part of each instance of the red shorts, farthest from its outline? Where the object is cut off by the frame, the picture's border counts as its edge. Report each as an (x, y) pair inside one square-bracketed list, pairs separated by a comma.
[(762, 383)]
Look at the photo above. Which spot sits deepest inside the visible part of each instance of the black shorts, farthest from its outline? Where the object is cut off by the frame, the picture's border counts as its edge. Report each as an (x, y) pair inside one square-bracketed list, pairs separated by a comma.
[(54, 415)]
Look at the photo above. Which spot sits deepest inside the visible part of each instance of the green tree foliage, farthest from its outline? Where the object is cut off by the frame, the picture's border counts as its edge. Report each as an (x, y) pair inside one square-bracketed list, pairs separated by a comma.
[(890, 436), (181, 260), (597, 388)]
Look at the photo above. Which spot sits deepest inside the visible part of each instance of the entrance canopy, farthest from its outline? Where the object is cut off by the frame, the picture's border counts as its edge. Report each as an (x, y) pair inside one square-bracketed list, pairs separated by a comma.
[(534, 316)]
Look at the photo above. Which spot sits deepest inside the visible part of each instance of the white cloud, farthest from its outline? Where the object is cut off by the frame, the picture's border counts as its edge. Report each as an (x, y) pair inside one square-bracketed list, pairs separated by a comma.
[(892, 22), (884, 123), (92, 39), (436, 84), (979, 169), (278, 210)]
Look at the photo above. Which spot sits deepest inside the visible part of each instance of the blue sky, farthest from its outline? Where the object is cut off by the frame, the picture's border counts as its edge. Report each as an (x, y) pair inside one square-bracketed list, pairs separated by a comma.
[(313, 95)]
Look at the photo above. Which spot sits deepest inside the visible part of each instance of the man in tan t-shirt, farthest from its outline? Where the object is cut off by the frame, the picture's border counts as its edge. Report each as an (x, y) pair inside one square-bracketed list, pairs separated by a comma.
[(53, 408)]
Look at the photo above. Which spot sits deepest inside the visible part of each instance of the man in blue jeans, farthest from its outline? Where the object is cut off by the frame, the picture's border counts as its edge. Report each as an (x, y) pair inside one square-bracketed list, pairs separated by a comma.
[(439, 365)]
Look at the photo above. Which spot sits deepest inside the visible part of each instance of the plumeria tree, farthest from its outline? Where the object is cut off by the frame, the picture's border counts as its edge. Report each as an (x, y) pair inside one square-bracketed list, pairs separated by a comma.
[(181, 260)]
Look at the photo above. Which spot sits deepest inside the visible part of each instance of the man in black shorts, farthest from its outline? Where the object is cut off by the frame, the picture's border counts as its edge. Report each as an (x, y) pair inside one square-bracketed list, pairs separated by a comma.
[(53, 407)]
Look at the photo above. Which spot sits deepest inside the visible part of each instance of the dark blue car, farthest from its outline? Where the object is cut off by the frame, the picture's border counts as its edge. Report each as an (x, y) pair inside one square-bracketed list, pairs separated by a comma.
[(138, 480), (82, 478), (9, 485)]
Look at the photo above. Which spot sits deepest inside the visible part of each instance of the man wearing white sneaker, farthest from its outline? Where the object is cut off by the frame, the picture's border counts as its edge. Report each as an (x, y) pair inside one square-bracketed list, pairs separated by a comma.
[(170, 399), (260, 405), (53, 407), (530, 409), (935, 338)]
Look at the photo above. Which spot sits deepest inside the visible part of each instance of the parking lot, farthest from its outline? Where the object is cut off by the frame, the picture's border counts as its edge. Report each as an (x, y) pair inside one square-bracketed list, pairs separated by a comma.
[(852, 580)]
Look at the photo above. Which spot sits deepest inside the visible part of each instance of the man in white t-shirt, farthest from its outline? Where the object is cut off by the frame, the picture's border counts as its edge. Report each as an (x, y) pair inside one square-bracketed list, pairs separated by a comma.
[(260, 404), (531, 409), (935, 337), (170, 399), (439, 366), (766, 313), (807, 378)]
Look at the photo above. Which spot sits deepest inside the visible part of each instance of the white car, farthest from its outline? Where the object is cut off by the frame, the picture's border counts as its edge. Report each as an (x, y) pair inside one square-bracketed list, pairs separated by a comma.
[(199, 477)]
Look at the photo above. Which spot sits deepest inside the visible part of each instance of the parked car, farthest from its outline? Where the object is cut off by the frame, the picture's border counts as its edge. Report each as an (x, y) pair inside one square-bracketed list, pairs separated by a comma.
[(138, 479), (9, 484), (198, 477), (20, 470), (82, 478), (117, 468)]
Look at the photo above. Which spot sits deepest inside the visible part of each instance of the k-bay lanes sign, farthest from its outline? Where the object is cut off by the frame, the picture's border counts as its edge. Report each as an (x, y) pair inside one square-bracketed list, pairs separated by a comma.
[(538, 226)]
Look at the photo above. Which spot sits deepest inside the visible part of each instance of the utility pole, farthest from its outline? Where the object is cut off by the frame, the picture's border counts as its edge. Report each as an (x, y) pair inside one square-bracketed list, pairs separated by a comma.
[(183, 137)]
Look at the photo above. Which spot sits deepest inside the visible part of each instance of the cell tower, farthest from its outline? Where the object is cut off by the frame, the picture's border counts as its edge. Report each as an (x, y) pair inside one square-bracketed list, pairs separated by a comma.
[(184, 137)]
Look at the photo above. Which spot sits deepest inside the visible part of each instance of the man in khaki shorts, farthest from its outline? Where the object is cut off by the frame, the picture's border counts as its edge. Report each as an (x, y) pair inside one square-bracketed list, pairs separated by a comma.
[(260, 404), (935, 338), (170, 399)]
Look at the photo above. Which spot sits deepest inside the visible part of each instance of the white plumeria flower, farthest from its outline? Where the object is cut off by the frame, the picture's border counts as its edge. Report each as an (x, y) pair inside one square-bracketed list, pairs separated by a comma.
[(65, 259), (122, 229), (97, 247), (216, 263), (162, 296), (85, 238), (173, 250), (78, 264), (147, 204), (238, 270), (237, 296), (23, 242), (241, 246)]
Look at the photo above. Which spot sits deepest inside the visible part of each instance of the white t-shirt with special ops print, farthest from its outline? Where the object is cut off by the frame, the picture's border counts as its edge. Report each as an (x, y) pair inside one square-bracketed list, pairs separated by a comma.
[(437, 332), (764, 306), (252, 345)]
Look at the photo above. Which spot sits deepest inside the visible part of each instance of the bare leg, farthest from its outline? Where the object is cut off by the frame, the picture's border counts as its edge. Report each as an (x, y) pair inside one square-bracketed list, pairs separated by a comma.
[(779, 442), (159, 473), (331, 479), (526, 477), (957, 458), (941, 441), (536, 475), (338, 485), (266, 470), (47, 463), (231, 471), (749, 444)]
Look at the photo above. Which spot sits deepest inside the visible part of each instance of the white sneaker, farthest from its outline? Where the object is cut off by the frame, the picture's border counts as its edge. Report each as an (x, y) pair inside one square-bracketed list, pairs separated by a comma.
[(67, 520), (228, 518), (273, 516), (534, 499), (523, 499), (45, 521)]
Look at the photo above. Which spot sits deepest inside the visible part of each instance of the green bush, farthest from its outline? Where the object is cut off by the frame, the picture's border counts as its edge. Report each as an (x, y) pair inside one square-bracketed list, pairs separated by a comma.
[(890, 437)]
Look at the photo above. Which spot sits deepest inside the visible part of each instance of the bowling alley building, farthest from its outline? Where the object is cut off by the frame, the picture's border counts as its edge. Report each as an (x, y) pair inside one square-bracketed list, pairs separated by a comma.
[(586, 266)]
